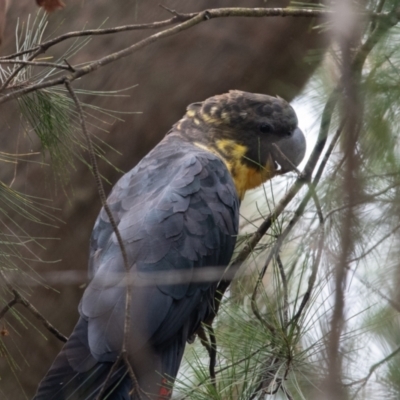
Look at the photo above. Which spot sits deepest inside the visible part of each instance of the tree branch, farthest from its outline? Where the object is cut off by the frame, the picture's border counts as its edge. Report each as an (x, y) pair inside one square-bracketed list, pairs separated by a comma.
[(19, 299), (38, 64), (103, 198), (192, 20)]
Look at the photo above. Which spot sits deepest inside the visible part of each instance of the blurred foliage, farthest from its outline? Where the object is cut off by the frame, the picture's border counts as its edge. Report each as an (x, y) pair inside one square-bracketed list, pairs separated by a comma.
[(48, 115), (369, 342)]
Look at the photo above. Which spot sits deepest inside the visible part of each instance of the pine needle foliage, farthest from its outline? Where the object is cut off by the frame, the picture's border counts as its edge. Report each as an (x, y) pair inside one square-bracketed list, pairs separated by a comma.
[(296, 356), (50, 116)]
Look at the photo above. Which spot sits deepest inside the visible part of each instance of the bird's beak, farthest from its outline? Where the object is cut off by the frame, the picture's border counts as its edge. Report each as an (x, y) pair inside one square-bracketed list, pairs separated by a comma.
[(289, 152)]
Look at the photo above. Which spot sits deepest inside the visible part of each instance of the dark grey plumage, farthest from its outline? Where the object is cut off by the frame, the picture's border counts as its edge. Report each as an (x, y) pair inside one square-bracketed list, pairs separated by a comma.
[(177, 212)]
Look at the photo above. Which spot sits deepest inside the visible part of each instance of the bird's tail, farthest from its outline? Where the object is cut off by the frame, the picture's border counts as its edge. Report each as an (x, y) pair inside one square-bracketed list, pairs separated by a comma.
[(76, 375)]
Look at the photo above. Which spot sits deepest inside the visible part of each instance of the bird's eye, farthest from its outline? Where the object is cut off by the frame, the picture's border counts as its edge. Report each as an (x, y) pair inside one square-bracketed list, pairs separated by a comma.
[(265, 128)]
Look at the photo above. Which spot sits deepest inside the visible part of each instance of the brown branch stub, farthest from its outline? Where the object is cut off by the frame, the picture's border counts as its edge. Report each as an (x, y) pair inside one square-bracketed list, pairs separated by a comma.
[(177, 16), (70, 67), (50, 5)]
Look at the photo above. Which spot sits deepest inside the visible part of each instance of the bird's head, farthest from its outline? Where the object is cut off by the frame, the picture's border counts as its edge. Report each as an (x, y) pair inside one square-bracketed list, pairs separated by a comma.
[(256, 135)]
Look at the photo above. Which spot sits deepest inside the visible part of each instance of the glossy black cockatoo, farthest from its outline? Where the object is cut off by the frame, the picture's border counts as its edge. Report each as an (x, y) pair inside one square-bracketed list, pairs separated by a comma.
[(177, 212)]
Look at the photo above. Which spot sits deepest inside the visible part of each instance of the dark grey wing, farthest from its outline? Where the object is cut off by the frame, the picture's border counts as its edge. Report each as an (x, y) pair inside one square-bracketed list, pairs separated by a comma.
[(177, 212)]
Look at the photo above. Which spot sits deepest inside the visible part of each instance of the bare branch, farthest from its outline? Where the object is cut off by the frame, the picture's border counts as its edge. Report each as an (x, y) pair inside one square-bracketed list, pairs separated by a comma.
[(37, 64), (40, 317), (17, 71), (19, 299), (182, 17), (192, 20), (8, 306), (136, 388)]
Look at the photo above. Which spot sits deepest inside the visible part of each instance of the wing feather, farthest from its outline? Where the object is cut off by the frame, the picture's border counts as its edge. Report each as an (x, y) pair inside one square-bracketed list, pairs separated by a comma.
[(176, 211)]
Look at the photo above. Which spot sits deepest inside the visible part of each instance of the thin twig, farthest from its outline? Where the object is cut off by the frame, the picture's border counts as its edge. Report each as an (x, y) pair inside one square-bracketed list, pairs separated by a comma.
[(285, 291), (95, 65), (394, 304), (38, 64), (287, 394), (17, 71), (40, 317), (313, 276), (108, 377), (226, 367), (366, 199), (325, 123), (383, 25), (256, 312), (136, 388), (269, 379), (43, 47), (372, 369), (103, 199), (70, 67), (8, 306), (272, 254), (379, 9), (372, 248), (321, 234), (19, 299), (178, 16)]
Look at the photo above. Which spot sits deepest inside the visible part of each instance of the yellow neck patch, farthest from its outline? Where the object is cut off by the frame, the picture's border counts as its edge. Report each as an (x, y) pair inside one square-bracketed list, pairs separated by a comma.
[(244, 176)]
